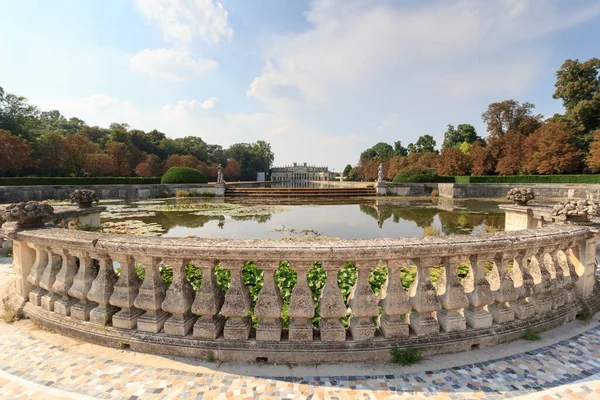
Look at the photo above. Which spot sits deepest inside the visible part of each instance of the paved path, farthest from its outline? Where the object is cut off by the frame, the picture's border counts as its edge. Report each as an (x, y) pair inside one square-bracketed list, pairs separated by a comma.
[(39, 364)]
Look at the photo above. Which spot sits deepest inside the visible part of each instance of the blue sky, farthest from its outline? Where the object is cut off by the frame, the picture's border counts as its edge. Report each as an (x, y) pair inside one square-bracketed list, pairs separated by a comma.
[(321, 80)]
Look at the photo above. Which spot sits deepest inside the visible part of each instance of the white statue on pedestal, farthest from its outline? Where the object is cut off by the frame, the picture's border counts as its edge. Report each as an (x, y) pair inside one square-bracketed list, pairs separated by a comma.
[(380, 173)]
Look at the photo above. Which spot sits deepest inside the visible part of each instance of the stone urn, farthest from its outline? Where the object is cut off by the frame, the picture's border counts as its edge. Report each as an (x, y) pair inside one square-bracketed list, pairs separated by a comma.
[(31, 214), (576, 210), (84, 197), (520, 196)]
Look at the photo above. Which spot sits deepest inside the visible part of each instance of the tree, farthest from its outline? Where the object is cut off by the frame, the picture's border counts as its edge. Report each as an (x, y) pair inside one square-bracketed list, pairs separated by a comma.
[(425, 144), (347, 170), (513, 157), (75, 149), (176, 160), (510, 115), (232, 171), (49, 147), (578, 86), (395, 165), (452, 162), (18, 116), (156, 165), (481, 159), (464, 133), (119, 155), (99, 164), (400, 150), (381, 152), (550, 150), (593, 158), (15, 154)]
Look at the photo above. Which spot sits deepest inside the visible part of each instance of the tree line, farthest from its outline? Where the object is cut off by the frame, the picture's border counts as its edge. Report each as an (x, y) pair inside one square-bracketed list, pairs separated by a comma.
[(45, 143), (518, 140)]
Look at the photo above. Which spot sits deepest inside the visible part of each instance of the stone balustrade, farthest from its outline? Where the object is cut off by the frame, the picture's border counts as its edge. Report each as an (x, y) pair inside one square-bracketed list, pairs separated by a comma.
[(531, 278)]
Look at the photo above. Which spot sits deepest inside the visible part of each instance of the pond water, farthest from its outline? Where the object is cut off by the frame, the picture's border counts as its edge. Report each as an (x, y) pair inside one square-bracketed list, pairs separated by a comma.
[(276, 219)]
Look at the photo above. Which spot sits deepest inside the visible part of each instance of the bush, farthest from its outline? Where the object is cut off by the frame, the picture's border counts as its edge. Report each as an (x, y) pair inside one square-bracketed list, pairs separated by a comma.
[(183, 175), (417, 174), (77, 181), (182, 193), (531, 335), (406, 357), (591, 178)]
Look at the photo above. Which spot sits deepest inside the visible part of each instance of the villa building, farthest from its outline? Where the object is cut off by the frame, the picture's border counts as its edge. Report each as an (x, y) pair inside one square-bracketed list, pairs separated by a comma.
[(297, 172)]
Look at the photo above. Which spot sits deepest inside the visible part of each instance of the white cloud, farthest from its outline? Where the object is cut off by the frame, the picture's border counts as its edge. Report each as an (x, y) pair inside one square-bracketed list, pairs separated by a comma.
[(187, 106), (184, 20), (175, 65)]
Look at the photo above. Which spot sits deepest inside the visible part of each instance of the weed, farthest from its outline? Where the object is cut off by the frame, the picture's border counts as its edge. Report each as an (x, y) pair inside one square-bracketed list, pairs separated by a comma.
[(182, 193), (584, 315), (435, 193), (208, 193), (531, 335), (406, 357), (210, 358)]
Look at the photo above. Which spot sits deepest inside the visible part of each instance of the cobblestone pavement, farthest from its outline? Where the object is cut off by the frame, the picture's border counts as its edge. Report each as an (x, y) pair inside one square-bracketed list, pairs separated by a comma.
[(34, 367)]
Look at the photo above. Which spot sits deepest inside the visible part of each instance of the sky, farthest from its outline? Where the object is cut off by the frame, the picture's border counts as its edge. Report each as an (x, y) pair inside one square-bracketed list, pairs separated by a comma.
[(321, 80)]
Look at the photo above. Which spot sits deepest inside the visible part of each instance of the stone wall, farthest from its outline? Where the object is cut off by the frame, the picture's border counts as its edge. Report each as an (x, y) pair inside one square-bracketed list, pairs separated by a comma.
[(13, 194)]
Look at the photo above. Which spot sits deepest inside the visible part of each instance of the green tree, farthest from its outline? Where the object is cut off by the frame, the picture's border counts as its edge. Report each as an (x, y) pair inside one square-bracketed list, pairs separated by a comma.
[(347, 170), (400, 150), (463, 133), (380, 152), (18, 116), (49, 147), (425, 144)]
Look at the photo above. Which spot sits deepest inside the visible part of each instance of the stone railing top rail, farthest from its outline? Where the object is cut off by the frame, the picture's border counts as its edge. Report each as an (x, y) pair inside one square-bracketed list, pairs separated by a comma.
[(306, 250)]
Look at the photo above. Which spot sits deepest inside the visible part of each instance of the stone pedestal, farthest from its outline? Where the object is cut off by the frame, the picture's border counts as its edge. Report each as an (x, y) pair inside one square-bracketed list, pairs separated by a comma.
[(35, 296), (179, 325), (424, 323), (238, 329), (518, 217), (219, 189), (102, 315), (210, 328), (542, 305), (332, 331), (451, 321), (48, 301), (300, 331), (362, 329), (63, 306), (559, 299), (126, 319), (394, 329), (501, 313), (381, 188), (81, 312), (478, 318), (522, 309), (152, 322), (269, 332)]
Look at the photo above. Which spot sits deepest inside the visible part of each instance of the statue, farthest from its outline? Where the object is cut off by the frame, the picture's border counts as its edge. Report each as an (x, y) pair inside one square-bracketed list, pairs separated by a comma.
[(220, 174), (380, 173)]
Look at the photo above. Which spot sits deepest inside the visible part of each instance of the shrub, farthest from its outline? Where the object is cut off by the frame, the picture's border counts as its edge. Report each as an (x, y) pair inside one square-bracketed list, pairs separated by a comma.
[(406, 357), (182, 193), (591, 178), (435, 193), (531, 335), (584, 315), (419, 174), (183, 175)]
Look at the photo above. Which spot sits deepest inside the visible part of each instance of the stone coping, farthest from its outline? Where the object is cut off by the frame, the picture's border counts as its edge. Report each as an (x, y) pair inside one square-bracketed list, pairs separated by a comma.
[(309, 250)]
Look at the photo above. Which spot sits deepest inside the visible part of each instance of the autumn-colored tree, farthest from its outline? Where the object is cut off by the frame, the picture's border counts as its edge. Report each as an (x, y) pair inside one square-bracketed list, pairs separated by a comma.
[(428, 160), (550, 150), (15, 154), (210, 170), (481, 159), (593, 158), (99, 164), (453, 162), (512, 155), (156, 165), (49, 146), (120, 158), (395, 165), (177, 160), (75, 149), (370, 170), (143, 169), (232, 171)]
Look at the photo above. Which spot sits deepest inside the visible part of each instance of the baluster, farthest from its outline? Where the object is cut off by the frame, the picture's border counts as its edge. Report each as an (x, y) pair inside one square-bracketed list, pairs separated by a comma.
[(332, 308), (23, 261), (101, 290), (525, 287), (302, 306), (543, 283), (208, 303), (268, 306), (504, 290), (178, 300), (63, 282), (570, 272), (394, 302), (150, 297), (35, 275), (237, 307), (81, 286), (363, 303), (424, 300), (124, 294), (559, 294), (48, 278), (452, 297), (585, 257), (479, 293)]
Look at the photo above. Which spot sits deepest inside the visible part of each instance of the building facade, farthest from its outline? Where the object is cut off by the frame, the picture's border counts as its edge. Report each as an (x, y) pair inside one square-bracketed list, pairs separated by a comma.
[(297, 172)]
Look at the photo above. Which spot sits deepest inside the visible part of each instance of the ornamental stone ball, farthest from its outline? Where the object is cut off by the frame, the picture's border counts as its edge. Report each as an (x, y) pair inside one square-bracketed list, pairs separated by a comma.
[(520, 196), (29, 214), (580, 210), (84, 197)]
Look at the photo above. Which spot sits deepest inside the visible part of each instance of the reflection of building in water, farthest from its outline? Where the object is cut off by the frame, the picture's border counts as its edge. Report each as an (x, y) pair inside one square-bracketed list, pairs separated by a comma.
[(302, 172)]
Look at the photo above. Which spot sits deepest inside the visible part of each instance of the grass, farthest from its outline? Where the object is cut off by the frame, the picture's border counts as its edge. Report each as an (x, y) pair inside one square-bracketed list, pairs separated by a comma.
[(431, 230), (531, 335), (585, 315), (210, 358), (182, 193), (406, 357)]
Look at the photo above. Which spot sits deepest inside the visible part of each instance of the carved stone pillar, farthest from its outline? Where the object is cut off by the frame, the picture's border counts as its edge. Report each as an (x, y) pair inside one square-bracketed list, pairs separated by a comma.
[(35, 275), (424, 300), (268, 306), (363, 303), (126, 290), (332, 308), (543, 282), (237, 307), (48, 278), (81, 286), (178, 300), (505, 290), (101, 291), (302, 306), (452, 297), (208, 303), (63, 282), (559, 294), (23, 261), (150, 297), (394, 302), (478, 292), (570, 272), (586, 255), (525, 287)]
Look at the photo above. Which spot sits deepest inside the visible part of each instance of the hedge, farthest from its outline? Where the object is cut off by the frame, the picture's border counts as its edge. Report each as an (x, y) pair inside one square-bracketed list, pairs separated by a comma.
[(183, 175), (423, 178), (76, 181), (591, 178)]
